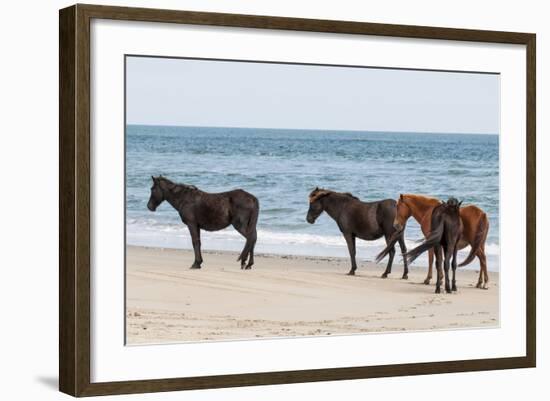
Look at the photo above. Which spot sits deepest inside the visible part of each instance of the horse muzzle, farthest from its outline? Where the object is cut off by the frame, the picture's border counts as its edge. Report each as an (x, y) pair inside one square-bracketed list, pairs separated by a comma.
[(151, 207)]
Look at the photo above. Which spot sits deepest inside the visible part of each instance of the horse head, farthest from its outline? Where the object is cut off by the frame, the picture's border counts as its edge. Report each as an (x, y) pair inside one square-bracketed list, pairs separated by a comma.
[(315, 204), (402, 213), (157, 194), (453, 203)]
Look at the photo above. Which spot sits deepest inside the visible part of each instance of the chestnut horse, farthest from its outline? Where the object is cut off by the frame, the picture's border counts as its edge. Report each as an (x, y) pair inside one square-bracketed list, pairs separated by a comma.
[(474, 221)]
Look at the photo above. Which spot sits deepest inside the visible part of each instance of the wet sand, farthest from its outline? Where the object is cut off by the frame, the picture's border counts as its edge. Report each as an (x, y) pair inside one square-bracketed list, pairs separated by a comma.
[(288, 296)]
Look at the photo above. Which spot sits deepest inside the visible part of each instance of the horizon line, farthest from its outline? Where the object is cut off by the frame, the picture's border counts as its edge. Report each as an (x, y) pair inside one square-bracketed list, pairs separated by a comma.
[(317, 129)]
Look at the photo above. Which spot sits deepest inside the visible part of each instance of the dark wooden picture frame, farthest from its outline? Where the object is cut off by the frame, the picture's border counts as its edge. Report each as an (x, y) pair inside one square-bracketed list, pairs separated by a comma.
[(74, 199)]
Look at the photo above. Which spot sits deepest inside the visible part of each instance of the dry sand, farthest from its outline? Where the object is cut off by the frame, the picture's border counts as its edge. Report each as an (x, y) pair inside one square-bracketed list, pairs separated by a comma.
[(288, 296)]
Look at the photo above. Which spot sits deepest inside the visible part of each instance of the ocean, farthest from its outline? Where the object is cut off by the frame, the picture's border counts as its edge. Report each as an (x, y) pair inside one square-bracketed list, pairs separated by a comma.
[(281, 167)]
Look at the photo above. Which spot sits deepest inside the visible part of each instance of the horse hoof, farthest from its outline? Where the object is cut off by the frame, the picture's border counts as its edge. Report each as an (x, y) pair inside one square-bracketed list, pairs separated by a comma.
[(454, 289), (351, 273), (384, 275), (438, 291), (405, 277), (479, 285), (427, 281), (194, 266)]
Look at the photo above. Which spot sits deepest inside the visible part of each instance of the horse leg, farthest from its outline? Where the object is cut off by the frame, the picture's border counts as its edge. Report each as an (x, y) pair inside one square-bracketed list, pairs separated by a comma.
[(483, 270), (430, 266), (403, 252), (446, 266), (350, 240), (250, 241), (455, 253), (245, 252), (253, 237), (390, 261), (480, 279), (438, 257), (196, 241)]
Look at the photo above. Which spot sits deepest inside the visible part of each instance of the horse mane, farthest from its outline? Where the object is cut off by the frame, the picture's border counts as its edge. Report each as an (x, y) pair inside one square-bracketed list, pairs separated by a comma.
[(421, 197), (319, 193), (349, 194), (174, 187)]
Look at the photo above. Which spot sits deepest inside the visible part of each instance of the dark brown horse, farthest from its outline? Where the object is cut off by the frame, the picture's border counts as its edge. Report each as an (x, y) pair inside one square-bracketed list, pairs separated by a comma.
[(474, 220), (201, 210), (355, 219), (444, 237)]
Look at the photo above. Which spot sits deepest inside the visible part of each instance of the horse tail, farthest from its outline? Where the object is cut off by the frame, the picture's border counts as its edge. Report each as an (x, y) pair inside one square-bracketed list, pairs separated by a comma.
[(479, 240), (251, 225), (391, 243), (432, 240)]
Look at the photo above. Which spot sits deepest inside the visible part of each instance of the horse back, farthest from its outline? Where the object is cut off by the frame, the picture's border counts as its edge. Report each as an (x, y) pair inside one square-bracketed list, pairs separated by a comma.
[(471, 217), (451, 221), (241, 199), (385, 212), (210, 211), (370, 220)]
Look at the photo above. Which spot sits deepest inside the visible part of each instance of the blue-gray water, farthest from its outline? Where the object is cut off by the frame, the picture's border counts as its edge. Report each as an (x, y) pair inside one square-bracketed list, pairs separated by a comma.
[(281, 167)]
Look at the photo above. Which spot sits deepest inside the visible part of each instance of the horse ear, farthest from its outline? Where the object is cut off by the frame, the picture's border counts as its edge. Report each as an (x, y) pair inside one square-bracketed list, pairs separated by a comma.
[(400, 196), (459, 203), (318, 195)]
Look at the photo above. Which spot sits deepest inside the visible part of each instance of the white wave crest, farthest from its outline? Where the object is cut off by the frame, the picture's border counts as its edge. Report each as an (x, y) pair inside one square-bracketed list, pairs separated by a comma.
[(152, 233)]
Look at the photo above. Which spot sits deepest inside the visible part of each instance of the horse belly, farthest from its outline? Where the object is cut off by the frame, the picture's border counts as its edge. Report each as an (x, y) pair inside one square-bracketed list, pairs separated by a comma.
[(214, 219), (214, 226), (366, 230), (370, 237), (366, 227)]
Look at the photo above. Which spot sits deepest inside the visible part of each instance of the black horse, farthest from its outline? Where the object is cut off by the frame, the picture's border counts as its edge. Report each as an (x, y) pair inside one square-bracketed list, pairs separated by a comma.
[(446, 231), (365, 220), (210, 212)]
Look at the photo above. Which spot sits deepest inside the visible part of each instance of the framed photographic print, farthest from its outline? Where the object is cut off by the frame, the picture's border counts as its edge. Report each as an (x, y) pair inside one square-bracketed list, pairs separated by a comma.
[(250, 200)]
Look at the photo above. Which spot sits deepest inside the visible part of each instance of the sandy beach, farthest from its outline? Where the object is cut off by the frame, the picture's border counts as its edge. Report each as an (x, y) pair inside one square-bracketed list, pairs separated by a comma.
[(288, 296)]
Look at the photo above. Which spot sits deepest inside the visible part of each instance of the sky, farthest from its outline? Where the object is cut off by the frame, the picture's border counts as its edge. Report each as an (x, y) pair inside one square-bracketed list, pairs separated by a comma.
[(186, 92)]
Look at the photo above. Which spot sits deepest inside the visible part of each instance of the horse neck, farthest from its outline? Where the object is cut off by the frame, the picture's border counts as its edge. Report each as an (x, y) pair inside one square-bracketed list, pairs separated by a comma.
[(175, 200), (420, 206), (332, 204)]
